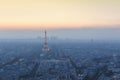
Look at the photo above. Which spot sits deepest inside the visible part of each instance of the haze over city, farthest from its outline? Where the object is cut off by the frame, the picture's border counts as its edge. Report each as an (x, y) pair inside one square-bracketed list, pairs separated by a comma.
[(73, 34)]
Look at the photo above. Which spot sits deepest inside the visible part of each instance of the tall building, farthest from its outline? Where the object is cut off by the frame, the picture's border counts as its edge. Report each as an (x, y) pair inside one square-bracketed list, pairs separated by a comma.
[(45, 46)]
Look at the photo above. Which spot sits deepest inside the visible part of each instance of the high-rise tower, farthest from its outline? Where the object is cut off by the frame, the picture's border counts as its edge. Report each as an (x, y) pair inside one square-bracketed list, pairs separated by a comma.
[(45, 46)]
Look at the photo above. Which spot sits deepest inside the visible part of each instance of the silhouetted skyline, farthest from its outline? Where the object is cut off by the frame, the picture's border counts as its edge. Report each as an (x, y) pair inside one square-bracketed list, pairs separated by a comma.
[(75, 34)]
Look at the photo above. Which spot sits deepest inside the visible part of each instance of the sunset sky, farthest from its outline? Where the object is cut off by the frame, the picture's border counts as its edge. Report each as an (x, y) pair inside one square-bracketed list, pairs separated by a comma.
[(47, 14)]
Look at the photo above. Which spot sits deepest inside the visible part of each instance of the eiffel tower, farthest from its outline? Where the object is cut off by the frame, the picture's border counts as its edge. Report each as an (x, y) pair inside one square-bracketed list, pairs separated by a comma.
[(45, 46)]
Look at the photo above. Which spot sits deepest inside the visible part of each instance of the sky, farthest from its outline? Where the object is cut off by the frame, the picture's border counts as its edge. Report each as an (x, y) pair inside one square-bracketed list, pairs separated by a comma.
[(58, 14), (67, 19)]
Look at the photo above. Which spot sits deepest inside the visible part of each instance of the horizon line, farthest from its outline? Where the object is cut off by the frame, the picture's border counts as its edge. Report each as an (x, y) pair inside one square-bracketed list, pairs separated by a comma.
[(62, 27)]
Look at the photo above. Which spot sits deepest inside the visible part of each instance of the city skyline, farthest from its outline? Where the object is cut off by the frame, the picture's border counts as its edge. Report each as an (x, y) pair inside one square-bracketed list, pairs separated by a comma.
[(108, 34)]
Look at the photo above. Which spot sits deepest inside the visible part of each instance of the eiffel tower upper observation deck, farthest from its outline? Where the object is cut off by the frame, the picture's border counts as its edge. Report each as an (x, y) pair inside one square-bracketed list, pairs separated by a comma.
[(45, 46)]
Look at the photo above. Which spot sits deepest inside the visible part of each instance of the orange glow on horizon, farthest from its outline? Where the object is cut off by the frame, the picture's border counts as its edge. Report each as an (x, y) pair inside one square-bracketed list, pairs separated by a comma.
[(39, 27)]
